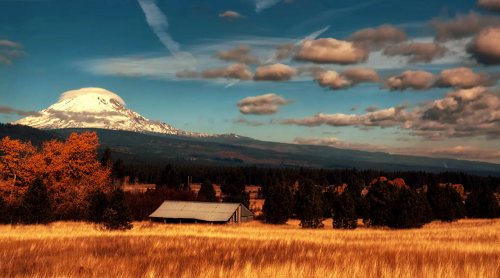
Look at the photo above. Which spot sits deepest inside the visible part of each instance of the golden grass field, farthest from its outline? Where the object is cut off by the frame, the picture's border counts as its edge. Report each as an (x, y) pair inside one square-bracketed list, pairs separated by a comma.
[(468, 248)]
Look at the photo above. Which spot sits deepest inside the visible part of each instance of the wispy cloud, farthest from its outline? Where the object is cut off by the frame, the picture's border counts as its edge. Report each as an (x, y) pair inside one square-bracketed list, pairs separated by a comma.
[(10, 110), (159, 23), (261, 5), (9, 51), (314, 35)]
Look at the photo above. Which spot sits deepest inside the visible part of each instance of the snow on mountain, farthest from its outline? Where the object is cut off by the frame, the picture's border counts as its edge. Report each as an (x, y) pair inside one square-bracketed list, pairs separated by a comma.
[(100, 108)]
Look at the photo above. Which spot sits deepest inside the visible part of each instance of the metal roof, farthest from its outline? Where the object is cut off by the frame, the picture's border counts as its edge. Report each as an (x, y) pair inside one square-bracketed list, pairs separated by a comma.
[(204, 211)]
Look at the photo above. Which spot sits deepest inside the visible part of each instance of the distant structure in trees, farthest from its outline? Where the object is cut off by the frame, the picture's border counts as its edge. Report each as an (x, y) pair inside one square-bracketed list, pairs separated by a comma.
[(201, 212)]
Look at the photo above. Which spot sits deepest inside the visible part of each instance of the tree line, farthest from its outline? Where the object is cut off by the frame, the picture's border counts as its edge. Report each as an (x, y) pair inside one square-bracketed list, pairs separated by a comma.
[(65, 180), (151, 174), (380, 203), (386, 203)]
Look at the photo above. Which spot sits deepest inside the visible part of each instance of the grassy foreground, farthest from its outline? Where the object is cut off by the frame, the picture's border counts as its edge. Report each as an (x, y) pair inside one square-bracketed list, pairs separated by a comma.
[(468, 248)]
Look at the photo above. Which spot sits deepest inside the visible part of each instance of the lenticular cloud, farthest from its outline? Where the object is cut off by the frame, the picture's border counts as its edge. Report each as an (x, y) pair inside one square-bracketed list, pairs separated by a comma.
[(91, 91)]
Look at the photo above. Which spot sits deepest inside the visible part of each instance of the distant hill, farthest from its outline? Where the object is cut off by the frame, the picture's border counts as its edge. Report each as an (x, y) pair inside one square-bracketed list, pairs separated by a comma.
[(149, 148), (26, 133), (136, 147)]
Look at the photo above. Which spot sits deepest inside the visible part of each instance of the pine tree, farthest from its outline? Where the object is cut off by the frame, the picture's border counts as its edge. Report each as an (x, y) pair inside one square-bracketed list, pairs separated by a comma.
[(344, 211), (207, 191), (482, 203), (472, 203), (234, 188), (98, 205), (427, 215), (118, 216), (380, 202), (446, 202), (308, 205), (107, 157), (119, 169), (35, 207), (169, 178), (328, 199), (278, 204), (355, 187), (457, 203), (407, 210)]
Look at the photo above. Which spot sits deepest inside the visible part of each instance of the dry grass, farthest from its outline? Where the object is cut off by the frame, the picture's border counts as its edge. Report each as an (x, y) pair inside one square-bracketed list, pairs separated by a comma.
[(468, 248)]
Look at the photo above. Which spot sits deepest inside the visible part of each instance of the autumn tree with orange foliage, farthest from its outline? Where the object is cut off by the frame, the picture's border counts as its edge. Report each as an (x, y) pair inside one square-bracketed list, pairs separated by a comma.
[(70, 170)]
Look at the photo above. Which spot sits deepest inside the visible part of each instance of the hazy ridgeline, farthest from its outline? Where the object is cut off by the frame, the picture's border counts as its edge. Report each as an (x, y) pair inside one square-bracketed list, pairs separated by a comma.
[(467, 248)]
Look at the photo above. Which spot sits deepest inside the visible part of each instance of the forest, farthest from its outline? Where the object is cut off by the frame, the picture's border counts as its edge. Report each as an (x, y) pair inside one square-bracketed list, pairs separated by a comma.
[(66, 180)]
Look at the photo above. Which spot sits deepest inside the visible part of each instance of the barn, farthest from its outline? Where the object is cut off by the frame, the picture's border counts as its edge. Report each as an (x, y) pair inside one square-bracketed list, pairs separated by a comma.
[(201, 212)]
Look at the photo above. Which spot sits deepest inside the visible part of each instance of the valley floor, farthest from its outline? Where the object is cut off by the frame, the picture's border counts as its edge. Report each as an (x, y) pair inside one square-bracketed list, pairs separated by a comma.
[(468, 248)]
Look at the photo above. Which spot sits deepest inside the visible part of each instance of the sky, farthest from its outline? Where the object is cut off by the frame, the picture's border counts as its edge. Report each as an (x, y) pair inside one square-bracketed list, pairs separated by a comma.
[(414, 77)]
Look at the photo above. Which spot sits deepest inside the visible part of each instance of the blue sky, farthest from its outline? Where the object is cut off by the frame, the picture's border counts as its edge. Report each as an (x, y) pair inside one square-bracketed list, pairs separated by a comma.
[(67, 45)]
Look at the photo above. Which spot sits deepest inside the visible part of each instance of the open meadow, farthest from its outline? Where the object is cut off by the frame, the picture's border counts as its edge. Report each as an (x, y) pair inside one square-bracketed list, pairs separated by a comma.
[(467, 248)]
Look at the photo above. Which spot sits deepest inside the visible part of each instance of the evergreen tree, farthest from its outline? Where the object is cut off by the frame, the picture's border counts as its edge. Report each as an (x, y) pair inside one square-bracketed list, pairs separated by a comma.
[(107, 157), (207, 191), (427, 215), (308, 205), (446, 202), (328, 199), (98, 205), (344, 211), (472, 203), (457, 203), (355, 187), (4, 213), (482, 203), (407, 210), (118, 216), (119, 170), (35, 207), (380, 202), (234, 188), (278, 204), (169, 178)]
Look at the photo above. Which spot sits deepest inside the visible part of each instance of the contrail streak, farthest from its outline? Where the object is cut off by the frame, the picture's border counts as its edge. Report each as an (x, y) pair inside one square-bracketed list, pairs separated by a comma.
[(159, 23)]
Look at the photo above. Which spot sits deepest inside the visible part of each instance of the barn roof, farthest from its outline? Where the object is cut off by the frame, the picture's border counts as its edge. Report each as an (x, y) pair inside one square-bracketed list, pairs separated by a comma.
[(204, 211)]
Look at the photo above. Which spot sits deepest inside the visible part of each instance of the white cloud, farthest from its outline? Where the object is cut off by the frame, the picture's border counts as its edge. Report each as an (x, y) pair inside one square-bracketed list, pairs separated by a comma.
[(156, 66)]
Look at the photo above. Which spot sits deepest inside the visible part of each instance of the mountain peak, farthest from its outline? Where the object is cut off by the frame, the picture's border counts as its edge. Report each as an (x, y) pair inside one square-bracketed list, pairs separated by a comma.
[(99, 108)]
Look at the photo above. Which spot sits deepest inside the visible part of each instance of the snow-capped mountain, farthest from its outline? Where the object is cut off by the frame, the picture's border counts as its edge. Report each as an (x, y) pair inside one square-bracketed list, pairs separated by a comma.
[(99, 108)]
